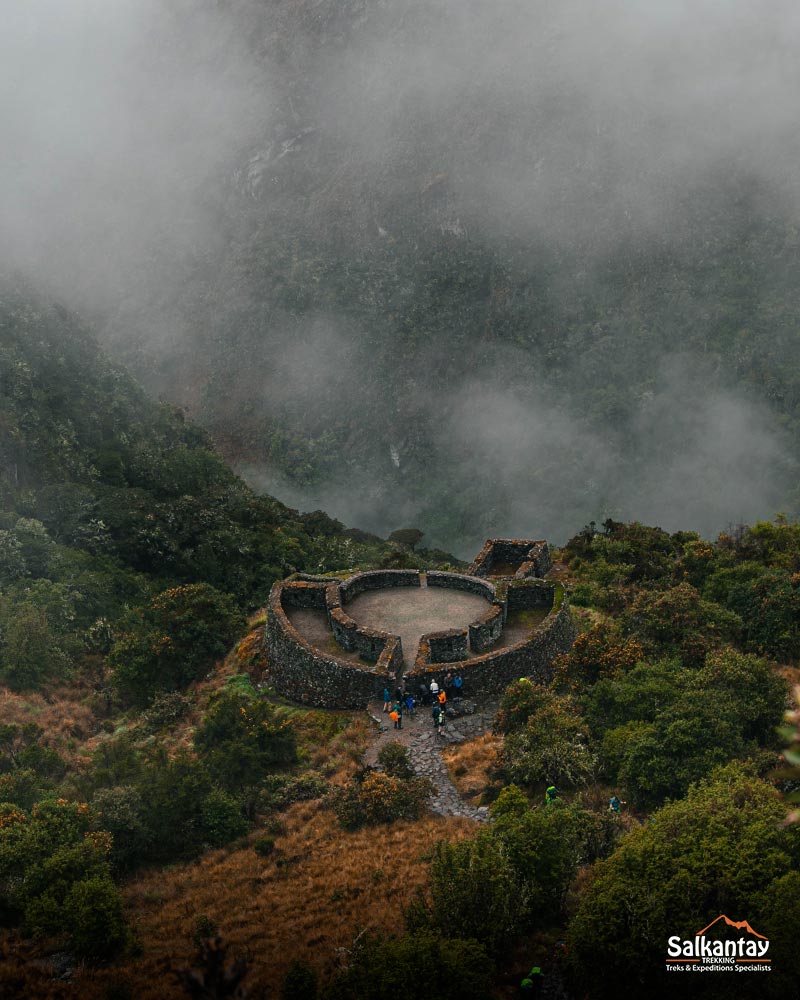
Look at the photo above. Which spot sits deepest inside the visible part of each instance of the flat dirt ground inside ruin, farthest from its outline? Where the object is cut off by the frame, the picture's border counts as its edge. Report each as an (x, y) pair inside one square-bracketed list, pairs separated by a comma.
[(411, 612)]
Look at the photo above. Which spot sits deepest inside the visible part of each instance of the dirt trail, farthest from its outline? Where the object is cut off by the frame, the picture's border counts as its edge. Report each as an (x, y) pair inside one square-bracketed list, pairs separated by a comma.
[(425, 751)]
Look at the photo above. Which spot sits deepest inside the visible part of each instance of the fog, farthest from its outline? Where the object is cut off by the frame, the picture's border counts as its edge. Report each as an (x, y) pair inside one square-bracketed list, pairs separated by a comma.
[(241, 197)]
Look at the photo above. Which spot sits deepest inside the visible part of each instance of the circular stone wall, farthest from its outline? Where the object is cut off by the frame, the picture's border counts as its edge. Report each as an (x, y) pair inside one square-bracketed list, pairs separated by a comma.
[(336, 643)]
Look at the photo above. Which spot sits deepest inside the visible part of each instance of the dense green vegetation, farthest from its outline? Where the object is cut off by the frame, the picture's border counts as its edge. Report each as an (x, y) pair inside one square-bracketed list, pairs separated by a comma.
[(130, 558)]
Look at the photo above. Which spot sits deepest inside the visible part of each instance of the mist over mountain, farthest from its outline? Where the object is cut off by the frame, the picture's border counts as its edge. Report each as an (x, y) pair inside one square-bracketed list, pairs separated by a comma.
[(480, 267)]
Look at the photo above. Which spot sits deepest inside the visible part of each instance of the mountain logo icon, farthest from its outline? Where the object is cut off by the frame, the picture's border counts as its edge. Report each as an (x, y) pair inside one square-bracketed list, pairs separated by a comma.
[(739, 925)]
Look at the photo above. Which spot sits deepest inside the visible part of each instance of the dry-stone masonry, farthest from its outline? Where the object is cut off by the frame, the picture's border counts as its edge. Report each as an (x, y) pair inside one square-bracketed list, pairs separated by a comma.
[(357, 661)]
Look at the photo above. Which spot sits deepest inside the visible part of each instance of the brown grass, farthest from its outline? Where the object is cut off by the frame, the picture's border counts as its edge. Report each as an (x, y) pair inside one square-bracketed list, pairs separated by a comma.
[(469, 764), (309, 899), (63, 715)]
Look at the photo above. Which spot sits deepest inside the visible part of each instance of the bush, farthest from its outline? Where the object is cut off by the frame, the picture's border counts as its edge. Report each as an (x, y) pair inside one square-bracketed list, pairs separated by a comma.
[(678, 621), (264, 846), (520, 700), (222, 818), (473, 890), (280, 791), (418, 966), (380, 798), (595, 655), (242, 739), (177, 639), (553, 748), (93, 912), (393, 758), (120, 810), (674, 876), (299, 983), (54, 873), (166, 708)]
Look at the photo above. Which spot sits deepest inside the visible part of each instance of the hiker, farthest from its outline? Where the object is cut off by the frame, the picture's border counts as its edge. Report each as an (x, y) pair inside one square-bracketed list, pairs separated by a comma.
[(398, 694), (448, 684), (532, 984), (458, 686), (550, 795), (397, 710), (436, 713), (442, 697), (614, 804), (410, 703), (424, 697), (442, 719), (387, 700), (434, 690)]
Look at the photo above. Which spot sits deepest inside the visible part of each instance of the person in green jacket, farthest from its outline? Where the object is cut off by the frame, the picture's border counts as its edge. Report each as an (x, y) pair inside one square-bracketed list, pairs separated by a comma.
[(550, 795), (531, 985)]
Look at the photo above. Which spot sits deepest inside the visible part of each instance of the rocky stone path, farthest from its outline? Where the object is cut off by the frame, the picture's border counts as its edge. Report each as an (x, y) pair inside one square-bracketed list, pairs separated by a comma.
[(425, 752)]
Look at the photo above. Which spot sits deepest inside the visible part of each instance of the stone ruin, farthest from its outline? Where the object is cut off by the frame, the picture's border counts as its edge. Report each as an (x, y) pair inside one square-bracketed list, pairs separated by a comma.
[(320, 654)]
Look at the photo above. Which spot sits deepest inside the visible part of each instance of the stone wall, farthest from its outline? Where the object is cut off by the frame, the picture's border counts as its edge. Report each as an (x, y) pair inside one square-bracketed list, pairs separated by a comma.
[(539, 561), (447, 646), (304, 594), (457, 581), (522, 595), (531, 657), (378, 579), (313, 676), (310, 676), (485, 631), (531, 557)]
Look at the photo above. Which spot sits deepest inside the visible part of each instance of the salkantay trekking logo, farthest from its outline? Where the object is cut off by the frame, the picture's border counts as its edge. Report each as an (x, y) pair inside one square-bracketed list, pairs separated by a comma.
[(746, 953)]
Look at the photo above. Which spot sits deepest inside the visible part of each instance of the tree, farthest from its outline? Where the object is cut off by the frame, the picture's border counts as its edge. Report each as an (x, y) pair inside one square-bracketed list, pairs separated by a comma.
[(407, 537), (418, 966), (474, 891), (601, 653), (181, 632), (553, 748), (719, 850), (242, 739), (31, 654), (679, 621), (55, 875)]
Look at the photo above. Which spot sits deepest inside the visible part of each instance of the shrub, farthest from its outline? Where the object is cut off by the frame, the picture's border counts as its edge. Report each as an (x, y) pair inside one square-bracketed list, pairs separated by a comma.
[(552, 748), (166, 708), (473, 890), (421, 965), (674, 876), (520, 700), (380, 798), (299, 983), (179, 636), (93, 912), (597, 654), (54, 873), (264, 846), (393, 758), (120, 810), (678, 621), (222, 818), (242, 739), (280, 791)]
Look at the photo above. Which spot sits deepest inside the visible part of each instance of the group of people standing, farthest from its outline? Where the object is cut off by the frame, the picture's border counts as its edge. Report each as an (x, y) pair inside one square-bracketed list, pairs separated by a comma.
[(433, 696)]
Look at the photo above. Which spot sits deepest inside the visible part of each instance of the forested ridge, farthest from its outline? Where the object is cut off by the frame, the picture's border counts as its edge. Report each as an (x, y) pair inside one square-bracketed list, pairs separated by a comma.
[(155, 794)]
